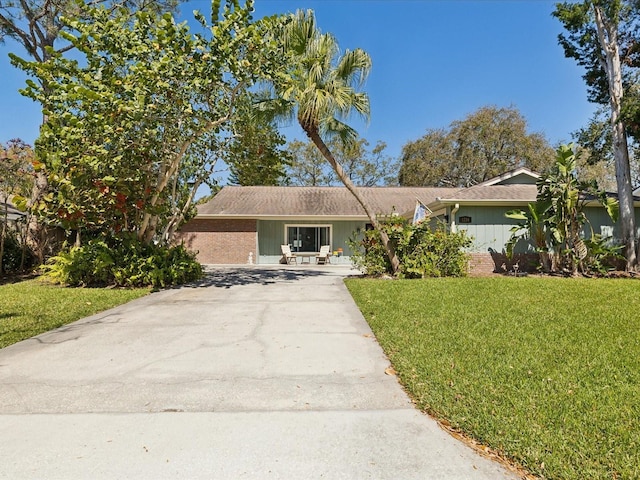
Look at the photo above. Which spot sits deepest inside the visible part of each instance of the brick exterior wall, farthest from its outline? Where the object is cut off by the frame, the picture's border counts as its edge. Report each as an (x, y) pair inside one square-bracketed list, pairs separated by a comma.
[(487, 263), (220, 241)]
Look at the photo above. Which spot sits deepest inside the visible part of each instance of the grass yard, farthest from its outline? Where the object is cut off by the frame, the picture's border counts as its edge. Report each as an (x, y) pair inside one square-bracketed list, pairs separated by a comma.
[(31, 307), (543, 370)]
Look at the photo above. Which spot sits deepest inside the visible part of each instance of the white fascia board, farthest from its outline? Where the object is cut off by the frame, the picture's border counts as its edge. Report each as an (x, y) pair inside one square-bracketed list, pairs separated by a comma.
[(508, 175), (439, 204)]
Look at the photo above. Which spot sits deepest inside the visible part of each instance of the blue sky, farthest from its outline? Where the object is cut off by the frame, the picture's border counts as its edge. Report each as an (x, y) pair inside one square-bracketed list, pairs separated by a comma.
[(433, 62)]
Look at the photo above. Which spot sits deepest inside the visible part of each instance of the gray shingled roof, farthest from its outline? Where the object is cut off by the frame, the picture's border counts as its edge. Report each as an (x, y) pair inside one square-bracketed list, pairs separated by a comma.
[(509, 193), (315, 201)]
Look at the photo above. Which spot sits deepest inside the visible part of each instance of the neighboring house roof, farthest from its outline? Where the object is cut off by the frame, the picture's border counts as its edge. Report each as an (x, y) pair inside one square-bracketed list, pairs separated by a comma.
[(274, 202), (514, 194), (520, 175), (501, 195), (13, 213)]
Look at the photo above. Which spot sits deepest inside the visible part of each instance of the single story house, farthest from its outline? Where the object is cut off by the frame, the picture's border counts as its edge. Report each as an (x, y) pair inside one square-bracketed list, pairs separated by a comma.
[(243, 225)]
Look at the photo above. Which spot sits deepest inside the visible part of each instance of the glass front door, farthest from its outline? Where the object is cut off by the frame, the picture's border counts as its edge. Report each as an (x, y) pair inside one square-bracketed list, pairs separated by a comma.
[(304, 238)]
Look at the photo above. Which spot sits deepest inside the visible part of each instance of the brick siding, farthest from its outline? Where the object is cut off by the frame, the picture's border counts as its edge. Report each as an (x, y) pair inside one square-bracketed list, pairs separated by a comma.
[(486, 263), (220, 241)]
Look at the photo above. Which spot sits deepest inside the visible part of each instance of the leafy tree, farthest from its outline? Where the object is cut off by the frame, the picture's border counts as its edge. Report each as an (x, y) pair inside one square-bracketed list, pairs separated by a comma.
[(16, 179), (602, 36), (365, 167), (557, 219), (37, 26), (255, 155), (595, 153), (485, 144), (128, 130), (321, 88), (308, 166)]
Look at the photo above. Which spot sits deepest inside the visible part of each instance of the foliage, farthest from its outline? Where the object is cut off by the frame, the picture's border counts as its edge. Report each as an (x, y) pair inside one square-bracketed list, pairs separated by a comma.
[(544, 370), (308, 166), (16, 158), (485, 144), (15, 257), (532, 228), (16, 181), (602, 36), (320, 88), (33, 307), (255, 155), (580, 42), (365, 167), (557, 220), (131, 130), (124, 262), (423, 251), (38, 26), (602, 256)]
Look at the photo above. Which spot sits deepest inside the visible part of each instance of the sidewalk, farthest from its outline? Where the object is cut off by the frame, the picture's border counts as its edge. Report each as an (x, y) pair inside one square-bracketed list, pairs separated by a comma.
[(254, 373)]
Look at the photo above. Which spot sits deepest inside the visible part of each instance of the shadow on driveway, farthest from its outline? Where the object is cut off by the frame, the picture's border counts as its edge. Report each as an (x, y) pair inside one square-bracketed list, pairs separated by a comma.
[(238, 276)]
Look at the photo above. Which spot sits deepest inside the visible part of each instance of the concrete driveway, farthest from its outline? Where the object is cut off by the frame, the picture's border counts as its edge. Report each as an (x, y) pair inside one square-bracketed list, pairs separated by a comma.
[(254, 373)]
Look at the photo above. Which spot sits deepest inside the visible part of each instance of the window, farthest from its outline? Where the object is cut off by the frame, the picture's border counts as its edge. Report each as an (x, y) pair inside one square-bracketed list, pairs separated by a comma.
[(307, 238)]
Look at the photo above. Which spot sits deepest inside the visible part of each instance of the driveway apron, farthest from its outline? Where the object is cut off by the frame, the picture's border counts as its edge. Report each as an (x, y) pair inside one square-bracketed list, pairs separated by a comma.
[(253, 373)]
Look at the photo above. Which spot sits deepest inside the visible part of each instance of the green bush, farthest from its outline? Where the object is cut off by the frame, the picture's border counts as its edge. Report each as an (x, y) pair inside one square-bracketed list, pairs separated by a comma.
[(423, 251), (124, 262), (12, 254)]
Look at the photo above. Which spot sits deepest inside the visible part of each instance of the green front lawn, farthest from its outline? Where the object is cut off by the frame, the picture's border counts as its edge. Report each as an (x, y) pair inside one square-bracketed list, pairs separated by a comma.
[(544, 370), (32, 307)]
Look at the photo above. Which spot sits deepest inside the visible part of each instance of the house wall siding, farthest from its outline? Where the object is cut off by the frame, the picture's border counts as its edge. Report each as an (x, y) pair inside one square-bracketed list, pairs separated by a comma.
[(489, 228), (271, 234), (220, 241)]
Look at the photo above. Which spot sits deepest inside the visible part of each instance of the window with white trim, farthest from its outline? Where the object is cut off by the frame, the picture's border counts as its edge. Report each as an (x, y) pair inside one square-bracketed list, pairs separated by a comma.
[(307, 238)]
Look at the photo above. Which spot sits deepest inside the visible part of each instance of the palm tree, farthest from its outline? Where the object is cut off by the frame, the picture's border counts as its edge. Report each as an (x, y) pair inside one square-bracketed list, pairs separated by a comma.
[(320, 89)]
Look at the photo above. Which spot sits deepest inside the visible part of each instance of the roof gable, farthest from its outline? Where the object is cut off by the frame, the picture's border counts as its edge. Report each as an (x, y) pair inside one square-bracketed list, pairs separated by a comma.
[(519, 176)]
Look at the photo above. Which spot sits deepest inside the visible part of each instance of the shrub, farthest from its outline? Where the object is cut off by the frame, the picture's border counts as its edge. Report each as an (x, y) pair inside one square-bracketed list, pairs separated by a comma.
[(12, 254), (423, 251), (124, 262)]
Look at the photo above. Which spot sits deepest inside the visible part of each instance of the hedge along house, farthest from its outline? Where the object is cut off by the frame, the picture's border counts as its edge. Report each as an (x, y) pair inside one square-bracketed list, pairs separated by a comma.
[(249, 224)]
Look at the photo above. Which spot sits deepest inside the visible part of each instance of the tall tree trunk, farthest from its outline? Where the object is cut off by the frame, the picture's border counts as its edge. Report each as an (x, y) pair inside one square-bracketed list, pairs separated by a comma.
[(318, 142), (608, 38), (35, 230)]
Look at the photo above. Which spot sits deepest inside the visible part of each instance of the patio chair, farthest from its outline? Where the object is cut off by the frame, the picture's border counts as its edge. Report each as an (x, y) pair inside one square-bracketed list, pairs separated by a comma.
[(323, 256), (288, 255)]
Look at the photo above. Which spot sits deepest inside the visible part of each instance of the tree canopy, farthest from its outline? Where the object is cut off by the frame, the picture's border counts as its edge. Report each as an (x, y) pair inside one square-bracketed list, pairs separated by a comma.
[(37, 24), (602, 36), (364, 166), (134, 128), (256, 154), (485, 144), (321, 88)]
